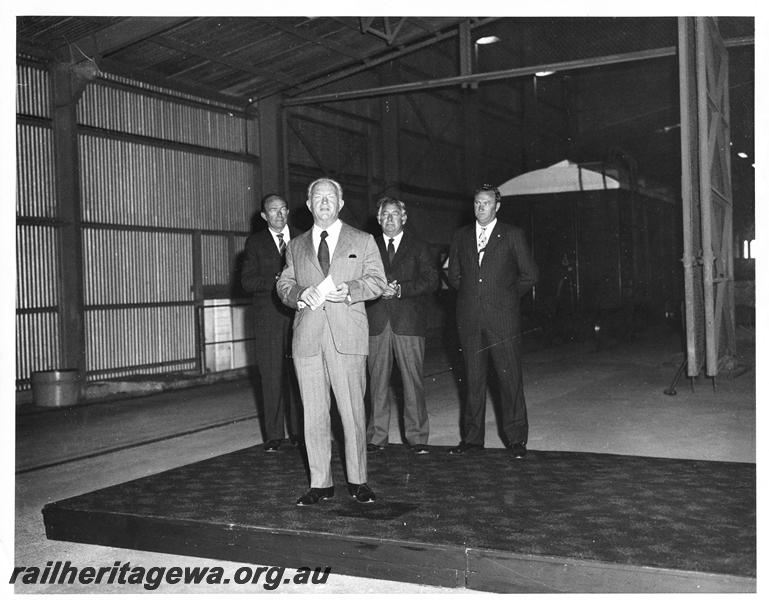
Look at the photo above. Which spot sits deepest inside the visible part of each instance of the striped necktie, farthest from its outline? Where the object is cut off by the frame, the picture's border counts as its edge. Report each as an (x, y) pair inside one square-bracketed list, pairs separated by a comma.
[(281, 244)]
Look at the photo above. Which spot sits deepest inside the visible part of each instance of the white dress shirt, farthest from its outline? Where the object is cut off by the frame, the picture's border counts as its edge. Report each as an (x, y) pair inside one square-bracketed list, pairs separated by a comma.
[(333, 237), (396, 240)]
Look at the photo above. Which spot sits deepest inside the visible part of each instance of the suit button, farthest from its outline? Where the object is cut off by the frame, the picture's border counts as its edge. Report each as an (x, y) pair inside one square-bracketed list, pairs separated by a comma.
[(480, 281)]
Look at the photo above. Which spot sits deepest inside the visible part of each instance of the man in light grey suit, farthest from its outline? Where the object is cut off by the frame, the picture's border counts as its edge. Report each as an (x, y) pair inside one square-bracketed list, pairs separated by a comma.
[(330, 272)]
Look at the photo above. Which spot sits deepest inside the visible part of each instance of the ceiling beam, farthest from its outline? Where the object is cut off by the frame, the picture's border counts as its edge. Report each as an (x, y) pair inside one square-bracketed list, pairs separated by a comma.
[(419, 86), (387, 57), (311, 38), (110, 39), (747, 40)]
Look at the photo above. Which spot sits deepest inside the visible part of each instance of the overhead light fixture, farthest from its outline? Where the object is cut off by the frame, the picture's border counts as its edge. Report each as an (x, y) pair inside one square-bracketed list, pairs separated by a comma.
[(543, 73), (742, 155), (488, 39)]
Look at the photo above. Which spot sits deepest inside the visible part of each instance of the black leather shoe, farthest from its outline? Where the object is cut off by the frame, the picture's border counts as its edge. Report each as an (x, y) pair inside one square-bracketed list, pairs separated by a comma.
[(314, 495), (420, 449), (519, 450), (296, 441), (465, 448), (272, 446), (361, 492), (374, 448)]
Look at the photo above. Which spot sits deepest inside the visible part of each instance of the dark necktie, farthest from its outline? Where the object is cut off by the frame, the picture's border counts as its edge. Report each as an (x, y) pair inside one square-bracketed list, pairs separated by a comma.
[(390, 251), (323, 258)]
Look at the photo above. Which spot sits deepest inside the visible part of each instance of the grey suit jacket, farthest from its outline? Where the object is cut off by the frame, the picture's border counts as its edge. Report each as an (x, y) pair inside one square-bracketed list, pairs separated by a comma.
[(356, 261)]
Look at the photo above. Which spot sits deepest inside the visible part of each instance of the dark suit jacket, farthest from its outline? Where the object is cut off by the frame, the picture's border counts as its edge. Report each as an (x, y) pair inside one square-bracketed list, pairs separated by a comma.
[(414, 269), (490, 294), (261, 266)]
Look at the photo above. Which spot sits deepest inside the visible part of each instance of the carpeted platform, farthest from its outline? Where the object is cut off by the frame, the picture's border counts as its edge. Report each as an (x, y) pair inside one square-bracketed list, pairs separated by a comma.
[(555, 521)]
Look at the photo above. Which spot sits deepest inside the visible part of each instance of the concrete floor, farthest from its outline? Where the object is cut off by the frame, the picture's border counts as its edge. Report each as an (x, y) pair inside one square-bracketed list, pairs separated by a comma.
[(578, 399)]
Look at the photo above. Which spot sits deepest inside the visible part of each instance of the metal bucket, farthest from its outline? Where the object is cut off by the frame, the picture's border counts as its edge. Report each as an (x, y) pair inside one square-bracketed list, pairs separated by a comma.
[(56, 388)]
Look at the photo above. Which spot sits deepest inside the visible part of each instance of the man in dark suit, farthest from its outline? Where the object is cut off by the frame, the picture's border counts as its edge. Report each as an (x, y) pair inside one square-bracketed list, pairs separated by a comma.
[(330, 272), (490, 266), (263, 262), (397, 325)]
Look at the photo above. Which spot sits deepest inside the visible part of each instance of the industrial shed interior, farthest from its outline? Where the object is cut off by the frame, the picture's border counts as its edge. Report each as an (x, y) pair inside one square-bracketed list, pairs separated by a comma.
[(145, 145)]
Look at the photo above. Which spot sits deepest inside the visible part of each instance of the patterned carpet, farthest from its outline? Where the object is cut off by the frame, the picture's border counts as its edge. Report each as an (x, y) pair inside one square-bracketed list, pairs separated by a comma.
[(627, 510)]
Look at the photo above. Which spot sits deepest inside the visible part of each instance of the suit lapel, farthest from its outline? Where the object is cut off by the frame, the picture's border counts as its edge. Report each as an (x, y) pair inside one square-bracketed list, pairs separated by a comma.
[(472, 242), (306, 248), (496, 237), (382, 249), (268, 243), (343, 244), (402, 250)]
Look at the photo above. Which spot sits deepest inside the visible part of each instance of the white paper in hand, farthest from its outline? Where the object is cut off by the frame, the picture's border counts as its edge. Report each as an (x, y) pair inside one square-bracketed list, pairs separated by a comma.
[(324, 288)]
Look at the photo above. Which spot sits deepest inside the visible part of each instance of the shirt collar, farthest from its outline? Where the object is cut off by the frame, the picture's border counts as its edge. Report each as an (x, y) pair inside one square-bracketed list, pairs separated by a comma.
[(284, 231), (396, 238), (489, 228), (333, 229)]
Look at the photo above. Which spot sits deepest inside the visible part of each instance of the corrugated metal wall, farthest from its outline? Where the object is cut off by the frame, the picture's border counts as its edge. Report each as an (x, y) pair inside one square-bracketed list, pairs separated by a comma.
[(37, 273), (32, 91), (156, 170), (35, 191), (128, 182)]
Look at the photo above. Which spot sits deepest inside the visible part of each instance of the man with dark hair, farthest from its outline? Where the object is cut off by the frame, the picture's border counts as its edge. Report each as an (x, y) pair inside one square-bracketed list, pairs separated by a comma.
[(263, 262), (490, 266), (330, 272), (397, 326)]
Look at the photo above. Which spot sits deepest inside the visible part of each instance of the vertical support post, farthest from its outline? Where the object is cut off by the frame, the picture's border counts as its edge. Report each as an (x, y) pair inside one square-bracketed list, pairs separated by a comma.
[(197, 297), (690, 195), (465, 50), (471, 141), (66, 90), (284, 152), (530, 124), (391, 134), (708, 257), (469, 107), (270, 145), (370, 197)]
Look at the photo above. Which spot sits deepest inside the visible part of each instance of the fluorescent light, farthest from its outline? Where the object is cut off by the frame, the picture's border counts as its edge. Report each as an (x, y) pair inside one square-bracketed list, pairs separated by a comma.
[(742, 155), (488, 39), (543, 73)]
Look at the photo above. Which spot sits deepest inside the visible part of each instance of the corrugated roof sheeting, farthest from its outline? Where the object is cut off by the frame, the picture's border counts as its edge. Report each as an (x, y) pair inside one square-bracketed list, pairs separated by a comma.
[(55, 30)]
